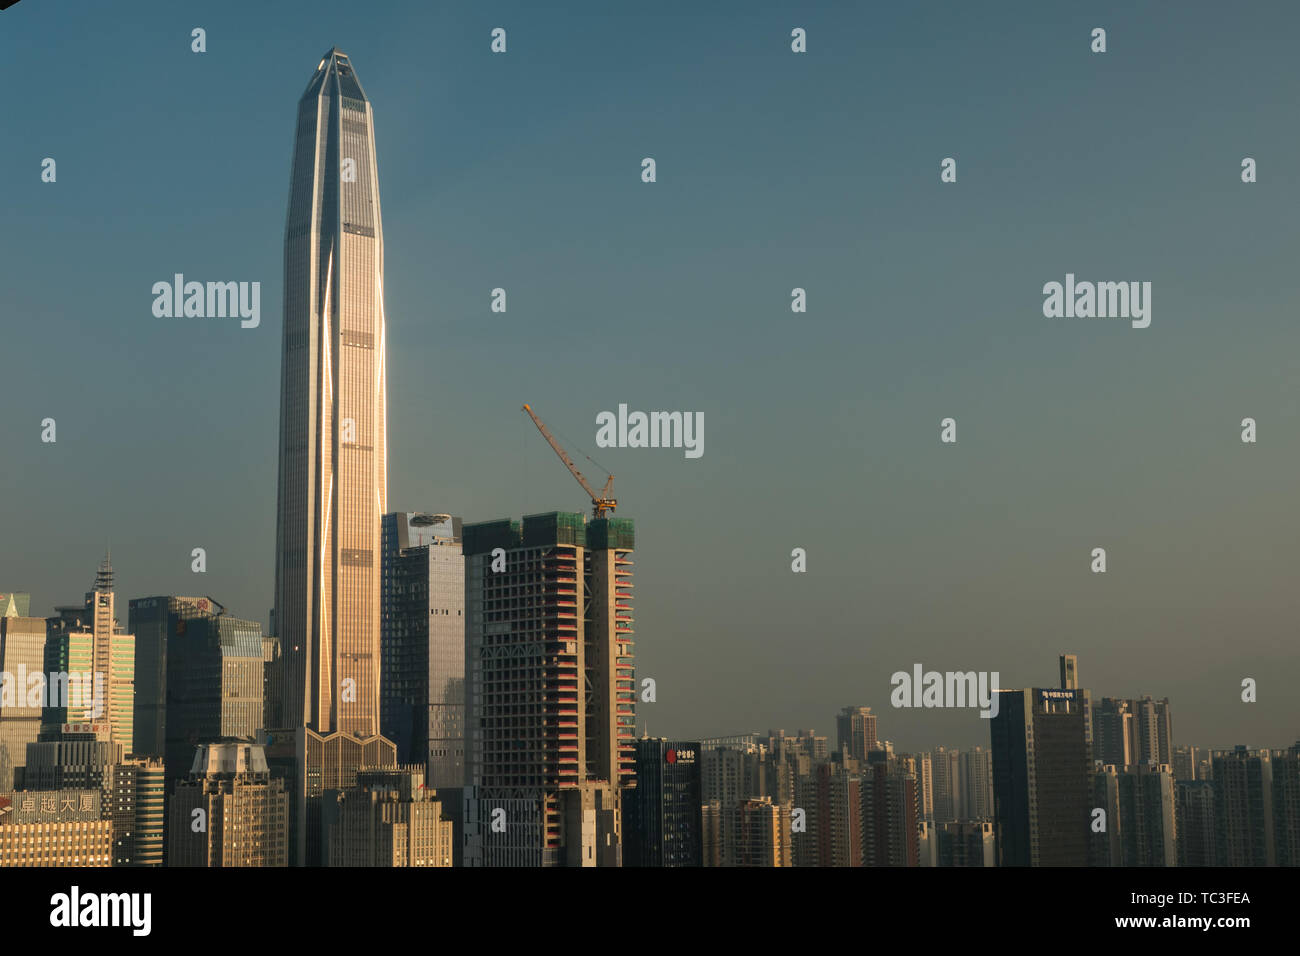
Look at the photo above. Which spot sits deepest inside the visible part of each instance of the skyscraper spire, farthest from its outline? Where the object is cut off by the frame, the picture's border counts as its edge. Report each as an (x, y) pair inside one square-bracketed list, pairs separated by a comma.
[(104, 576)]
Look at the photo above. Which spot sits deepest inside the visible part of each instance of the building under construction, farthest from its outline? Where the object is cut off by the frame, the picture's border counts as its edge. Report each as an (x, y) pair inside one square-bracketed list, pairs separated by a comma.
[(550, 695)]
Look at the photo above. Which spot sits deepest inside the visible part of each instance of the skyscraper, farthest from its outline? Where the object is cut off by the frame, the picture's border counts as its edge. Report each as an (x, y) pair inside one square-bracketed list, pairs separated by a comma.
[(245, 809), (22, 652), (86, 640), (332, 467), (549, 689), (1042, 763), (662, 812), (422, 675), (855, 730), (199, 677), (1243, 807)]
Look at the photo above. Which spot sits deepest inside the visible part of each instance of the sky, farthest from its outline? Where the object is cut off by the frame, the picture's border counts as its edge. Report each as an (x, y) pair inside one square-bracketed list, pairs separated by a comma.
[(775, 170)]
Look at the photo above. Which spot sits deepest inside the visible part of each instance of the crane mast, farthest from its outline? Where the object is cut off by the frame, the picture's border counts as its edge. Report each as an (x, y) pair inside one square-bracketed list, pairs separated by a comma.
[(600, 503)]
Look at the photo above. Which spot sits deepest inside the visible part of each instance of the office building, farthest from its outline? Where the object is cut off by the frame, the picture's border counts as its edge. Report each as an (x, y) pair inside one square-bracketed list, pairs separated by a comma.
[(207, 665), (333, 415), (54, 828), (422, 680), (22, 653), (389, 819), (662, 813), (87, 641), (137, 807), (242, 810), (1042, 764)]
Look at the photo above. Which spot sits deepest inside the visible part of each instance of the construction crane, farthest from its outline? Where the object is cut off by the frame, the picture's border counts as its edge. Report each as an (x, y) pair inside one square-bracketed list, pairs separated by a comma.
[(600, 503)]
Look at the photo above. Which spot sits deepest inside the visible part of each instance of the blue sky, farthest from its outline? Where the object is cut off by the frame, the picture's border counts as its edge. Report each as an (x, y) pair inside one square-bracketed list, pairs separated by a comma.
[(775, 170)]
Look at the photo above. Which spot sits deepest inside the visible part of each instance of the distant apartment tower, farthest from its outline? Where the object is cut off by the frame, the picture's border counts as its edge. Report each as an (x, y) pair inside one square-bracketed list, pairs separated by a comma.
[(1140, 823), (855, 731), (422, 657), (1132, 731), (550, 693), (1286, 805), (244, 809), (1185, 761), (945, 767), (1195, 819), (806, 743), (1243, 807), (49, 828), (830, 797), (662, 813), (977, 784), (1042, 764), (87, 640), (762, 834), (890, 811), (389, 819), (22, 653), (925, 785)]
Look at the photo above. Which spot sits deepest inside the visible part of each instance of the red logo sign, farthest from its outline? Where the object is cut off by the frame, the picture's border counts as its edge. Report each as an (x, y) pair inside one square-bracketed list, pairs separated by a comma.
[(671, 756)]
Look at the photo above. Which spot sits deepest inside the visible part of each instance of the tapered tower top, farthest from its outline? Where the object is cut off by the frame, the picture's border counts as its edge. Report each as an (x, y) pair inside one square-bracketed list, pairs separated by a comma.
[(335, 68)]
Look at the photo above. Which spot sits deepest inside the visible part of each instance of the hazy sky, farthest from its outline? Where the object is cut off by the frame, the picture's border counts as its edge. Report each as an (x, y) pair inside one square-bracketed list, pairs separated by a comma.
[(775, 170)]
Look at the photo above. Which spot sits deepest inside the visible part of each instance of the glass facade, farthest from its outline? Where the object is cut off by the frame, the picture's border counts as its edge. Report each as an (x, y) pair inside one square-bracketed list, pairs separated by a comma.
[(332, 484)]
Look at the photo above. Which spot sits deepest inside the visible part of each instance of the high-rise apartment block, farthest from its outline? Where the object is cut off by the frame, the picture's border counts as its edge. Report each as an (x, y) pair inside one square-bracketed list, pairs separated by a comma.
[(855, 731), (550, 695), (1243, 807), (1195, 823), (890, 811), (1140, 822), (762, 833)]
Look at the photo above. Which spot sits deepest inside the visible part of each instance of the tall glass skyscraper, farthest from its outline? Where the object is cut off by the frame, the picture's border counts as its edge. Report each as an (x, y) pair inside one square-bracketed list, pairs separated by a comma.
[(333, 469)]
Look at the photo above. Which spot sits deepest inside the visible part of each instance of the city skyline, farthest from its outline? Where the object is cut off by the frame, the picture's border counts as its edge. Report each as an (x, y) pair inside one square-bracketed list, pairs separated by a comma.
[(973, 562)]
